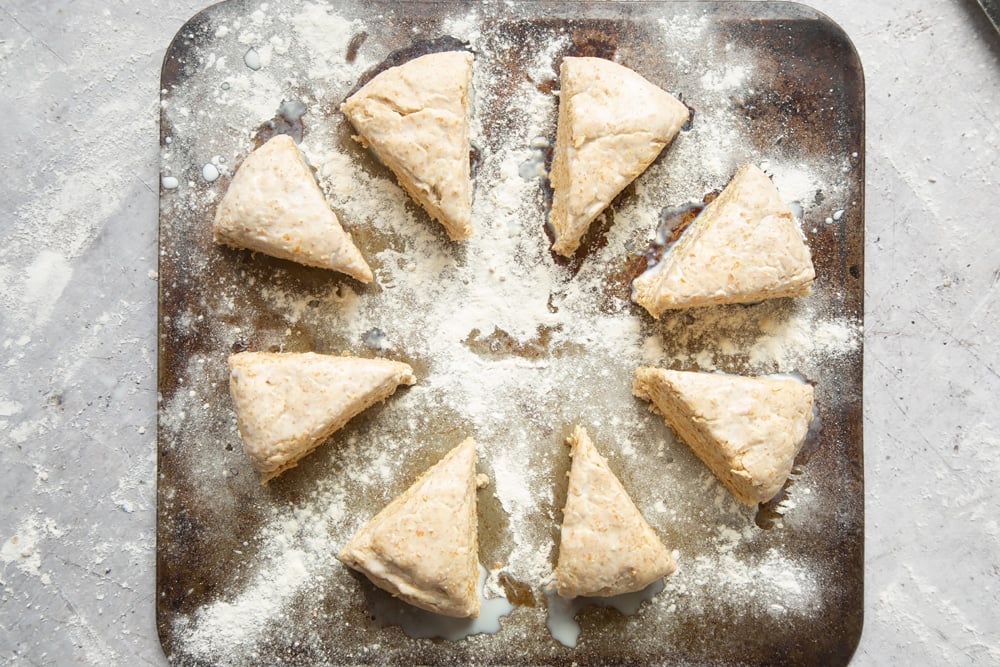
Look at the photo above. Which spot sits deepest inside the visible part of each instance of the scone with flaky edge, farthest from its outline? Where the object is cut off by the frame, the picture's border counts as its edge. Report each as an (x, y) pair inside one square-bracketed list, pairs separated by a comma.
[(274, 206), (606, 547), (415, 117), (424, 547), (287, 404), (612, 124), (747, 430), (746, 246)]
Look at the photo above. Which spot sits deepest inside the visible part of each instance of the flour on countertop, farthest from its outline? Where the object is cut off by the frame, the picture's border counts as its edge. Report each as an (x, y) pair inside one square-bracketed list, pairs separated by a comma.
[(511, 346), (23, 548)]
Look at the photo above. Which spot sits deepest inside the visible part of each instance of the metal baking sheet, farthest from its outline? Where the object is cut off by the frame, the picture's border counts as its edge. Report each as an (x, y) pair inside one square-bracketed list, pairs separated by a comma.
[(992, 9), (802, 103)]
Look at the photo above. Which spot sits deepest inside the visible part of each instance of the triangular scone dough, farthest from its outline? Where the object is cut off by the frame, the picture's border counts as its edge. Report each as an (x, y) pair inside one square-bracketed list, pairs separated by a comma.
[(744, 247), (607, 547), (424, 546), (288, 404), (612, 125), (747, 430), (416, 119), (274, 206)]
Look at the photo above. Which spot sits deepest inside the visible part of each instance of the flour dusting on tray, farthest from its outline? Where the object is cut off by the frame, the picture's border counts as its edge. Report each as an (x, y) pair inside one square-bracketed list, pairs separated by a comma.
[(510, 345)]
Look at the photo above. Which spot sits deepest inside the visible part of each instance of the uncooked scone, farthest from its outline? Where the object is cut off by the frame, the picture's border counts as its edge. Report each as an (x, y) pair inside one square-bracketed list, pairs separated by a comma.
[(288, 404), (612, 125), (415, 117), (274, 206), (424, 547), (746, 246), (747, 430), (606, 546)]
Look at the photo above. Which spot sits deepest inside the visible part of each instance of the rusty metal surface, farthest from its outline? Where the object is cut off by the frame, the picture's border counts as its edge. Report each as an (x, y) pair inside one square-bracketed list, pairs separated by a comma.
[(815, 103)]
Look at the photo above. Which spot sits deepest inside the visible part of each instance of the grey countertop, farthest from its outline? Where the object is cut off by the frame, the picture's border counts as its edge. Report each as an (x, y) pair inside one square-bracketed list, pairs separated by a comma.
[(78, 247)]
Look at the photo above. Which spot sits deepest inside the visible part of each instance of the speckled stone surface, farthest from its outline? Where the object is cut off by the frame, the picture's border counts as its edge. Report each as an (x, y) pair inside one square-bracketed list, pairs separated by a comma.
[(78, 311)]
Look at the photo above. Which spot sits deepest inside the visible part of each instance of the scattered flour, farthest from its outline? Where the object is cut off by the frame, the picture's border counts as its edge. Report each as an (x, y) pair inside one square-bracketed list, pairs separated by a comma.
[(297, 551), (730, 78), (774, 582), (22, 548), (779, 337), (907, 593)]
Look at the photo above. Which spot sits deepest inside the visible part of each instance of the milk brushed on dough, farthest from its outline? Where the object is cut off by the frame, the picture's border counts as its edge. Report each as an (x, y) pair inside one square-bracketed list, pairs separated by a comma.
[(288, 404), (606, 546), (274, 206), (415, 117), (424, 546), (747, 430), (744, 247), (612, 125)]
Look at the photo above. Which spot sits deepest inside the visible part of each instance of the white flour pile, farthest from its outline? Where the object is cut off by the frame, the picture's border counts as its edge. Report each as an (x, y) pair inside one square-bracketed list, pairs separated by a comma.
[(510, 346)]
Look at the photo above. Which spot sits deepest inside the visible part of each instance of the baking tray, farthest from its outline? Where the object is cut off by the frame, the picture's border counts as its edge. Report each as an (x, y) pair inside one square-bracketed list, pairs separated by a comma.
[(245, 573), (992, 10)]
